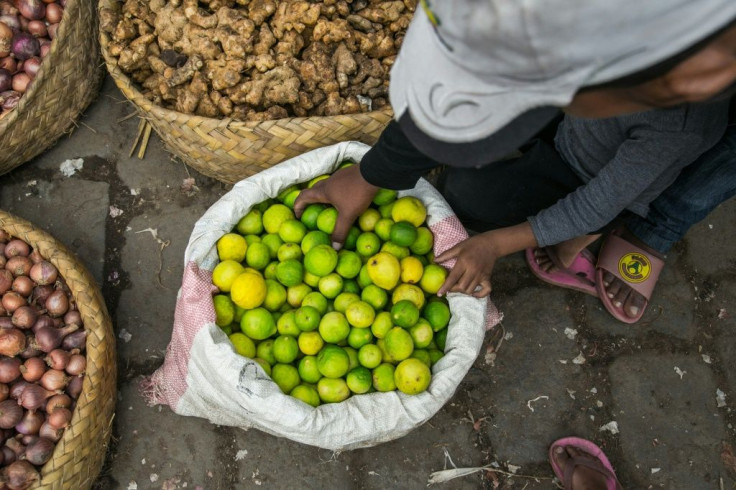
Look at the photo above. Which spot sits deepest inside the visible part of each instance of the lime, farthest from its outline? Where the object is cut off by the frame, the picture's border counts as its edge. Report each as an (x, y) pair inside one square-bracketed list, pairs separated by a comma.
[(383, 228), (251, 223), (296, 294), (285, 349), (421, 333), (374, 296), (224, 310), (437, 314), (333, 361), (332, 390), (422, 355), (307, 318), (432, 279), (308, 369), (352, 238), (410, 292), (360, 314), (231, 246), (327, 219), (384, 270), (384, 196), (383, 377), (285, 376), (344, 299), (359, 380), (264, 365), (368, 219), (289, 251), (311, 280), (364, 279), (408, 208), (358, 337), (264, 350), (225, 273), (320, 260), (307, 394), (243, 345), (273, 242), (441, 339), (381, 325), (286, 324), (292, 231), (412, 376), (270, 271), (348, 264), (370, 356), (398, 344), (248, 290), (310, 343), (310, 214), (258, 324), (350, 286), (424, 242), (330, 285), (411, 270), (290, 198), (333, 327), (274, 216), (316, 300), (290, 272), (403, 233), (275, 295), (367, 244), (404, 313)]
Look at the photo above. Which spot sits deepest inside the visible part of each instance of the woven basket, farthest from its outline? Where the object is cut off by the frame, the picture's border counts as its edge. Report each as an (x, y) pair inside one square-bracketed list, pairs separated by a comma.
[(230, 150), (79, 454), (67, 82)]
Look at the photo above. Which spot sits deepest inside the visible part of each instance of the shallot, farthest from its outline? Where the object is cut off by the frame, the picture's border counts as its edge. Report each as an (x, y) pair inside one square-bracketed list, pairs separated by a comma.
[(76, 340), (10, 414), (77, 365), (54, 380), (33, 397), (15, 247), (23, 285), (19, 265), (33, 369), (44, 273), (6, 280), (31, 9), (74, 388), (60, 418), (57, 303), (20, 475), (12, 301), (39, 451), (48, 339), (25, 46), (9, 369), (50, 432), (32, 65), (31, 422), (54, 12), (12, 341), (24, 317), (6, 79)]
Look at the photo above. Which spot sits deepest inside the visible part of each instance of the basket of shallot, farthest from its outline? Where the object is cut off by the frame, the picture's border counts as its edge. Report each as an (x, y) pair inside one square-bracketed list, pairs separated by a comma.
[(49, 73), (57, 364)]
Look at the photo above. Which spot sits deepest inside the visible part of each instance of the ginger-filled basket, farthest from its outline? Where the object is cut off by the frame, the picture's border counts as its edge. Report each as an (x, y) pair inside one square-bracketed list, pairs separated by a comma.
[(78, 456), (227, 149), (68, 80)]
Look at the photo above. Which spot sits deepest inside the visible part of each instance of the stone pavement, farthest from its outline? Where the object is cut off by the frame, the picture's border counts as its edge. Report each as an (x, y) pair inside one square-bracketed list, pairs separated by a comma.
[(646, 393)]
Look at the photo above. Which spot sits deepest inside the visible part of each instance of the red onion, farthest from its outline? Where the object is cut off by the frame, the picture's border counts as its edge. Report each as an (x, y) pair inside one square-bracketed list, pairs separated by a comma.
[(31, 422), (21, 82), (44, 272), (54, 380), (76, 340), (6, 80), (25, 46), (9, 369), (23, 285), (4, 391), (58, 359), (74, 388), (48, 339), (58, 401), (60, 418), (73, 317), (39, 451), (20, 475), (34, 397), (32, 65), (31, 9), (77, 364), (40, 293), (10, 414), (12, 301), (12, 341), (49, 432), (19, 265), (6, 280), (57, 303), (16, 247), (24, 317), (33, 369), (37, 28), (54, 12)]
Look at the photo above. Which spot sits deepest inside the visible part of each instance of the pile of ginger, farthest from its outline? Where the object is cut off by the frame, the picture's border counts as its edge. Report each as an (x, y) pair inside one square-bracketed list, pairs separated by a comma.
[(256, 60)]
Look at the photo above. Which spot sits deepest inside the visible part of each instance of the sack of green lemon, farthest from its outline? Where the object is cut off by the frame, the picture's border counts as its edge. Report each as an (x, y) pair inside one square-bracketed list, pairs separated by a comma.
[(274, 329)]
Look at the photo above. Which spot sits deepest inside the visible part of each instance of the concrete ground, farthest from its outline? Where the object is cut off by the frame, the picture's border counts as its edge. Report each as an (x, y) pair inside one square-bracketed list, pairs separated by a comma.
[(559, 365)]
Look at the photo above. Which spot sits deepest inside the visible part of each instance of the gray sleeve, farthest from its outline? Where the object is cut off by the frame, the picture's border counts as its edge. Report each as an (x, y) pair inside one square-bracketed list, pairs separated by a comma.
[(638, 163)]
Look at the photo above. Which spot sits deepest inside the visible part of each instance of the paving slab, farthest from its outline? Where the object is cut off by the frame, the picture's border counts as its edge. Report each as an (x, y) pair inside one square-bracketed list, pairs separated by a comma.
[(710, 243)]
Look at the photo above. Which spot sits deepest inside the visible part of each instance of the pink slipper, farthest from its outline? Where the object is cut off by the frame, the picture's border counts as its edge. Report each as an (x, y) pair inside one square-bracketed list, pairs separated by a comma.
[(602, 465), (637, 268), (580, 276)]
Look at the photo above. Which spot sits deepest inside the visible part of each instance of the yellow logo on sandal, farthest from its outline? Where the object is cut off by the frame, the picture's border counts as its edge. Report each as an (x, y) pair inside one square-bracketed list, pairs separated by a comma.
[(634, 267)]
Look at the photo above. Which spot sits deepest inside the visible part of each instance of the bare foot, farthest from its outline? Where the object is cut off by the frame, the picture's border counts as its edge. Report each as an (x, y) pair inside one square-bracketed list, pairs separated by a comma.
[(583, 477), (622, 295), (565, 252)]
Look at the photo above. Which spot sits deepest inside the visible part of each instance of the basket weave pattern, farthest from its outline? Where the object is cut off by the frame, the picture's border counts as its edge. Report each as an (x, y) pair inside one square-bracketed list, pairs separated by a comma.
[(68, 80), (230, 150), (80, 453)]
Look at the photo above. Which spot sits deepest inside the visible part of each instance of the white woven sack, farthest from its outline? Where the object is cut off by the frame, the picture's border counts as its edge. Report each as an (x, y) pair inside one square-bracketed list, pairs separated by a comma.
[(202, 375)]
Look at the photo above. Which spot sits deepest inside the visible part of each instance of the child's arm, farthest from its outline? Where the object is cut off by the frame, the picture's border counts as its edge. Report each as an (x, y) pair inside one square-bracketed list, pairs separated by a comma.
[(477, 255)]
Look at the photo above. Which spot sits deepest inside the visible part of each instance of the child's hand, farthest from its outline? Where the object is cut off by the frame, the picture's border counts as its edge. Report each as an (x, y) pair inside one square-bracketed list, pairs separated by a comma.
[(471, 274)]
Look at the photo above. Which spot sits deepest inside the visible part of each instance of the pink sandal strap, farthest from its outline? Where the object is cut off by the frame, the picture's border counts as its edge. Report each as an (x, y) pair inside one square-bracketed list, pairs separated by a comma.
[(636, 267)]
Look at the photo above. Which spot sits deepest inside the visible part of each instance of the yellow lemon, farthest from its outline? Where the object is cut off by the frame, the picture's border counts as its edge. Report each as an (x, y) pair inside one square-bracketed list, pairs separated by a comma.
[(248, 290), (411, 270), (368, 219), (225, 273), (409, 208), (384, 270), (332, 390), (408, 291), (310, 343), (412, 376), (231, 246), (275, 215), (383, 377)]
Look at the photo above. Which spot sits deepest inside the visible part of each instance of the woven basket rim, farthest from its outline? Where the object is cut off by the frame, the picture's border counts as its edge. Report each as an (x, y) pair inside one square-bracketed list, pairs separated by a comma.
[(94, 322)]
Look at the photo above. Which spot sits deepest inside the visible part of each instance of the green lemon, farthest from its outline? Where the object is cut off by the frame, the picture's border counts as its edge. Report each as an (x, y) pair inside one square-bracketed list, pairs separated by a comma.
[(368, 219), (317, 300), (258, 256), (367, 244), (314, 238), (385, 210), (404, 314), (359, 380), (398, 344), (311, 183), (422, 334), (311, 280), (264, 365), (358, 337), (273, 242), (327, 219), (435, 355), (352, 239), (285, 349), (275, 295), (350, 286), (296, 294), (348, 264), (381, 325), (225, 273), (333, 361), (307, 394), (308, 370), (251, 223), (424, 241), (275, 215), (286, 324), (343, 300), (290, 198), (264, 350), (437, 314), (396, 250), (224, 310), (307, 318), (320, 260), (364, 278), (422, 355), (383, 229), (252, 239), (332, 390), (285, 376), (403, 233), (334, 327), (352, 356), (243, 345), (383, 377), (330, 285), (441, 339), (281, 196), (412, 376), (310, 214), (258, 324), (374, 296), (360, 314), (292, 231), (370, 356), (384, 196), (290, 272), (432, 278), (289, 251), (270, 271), (310, 343)]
